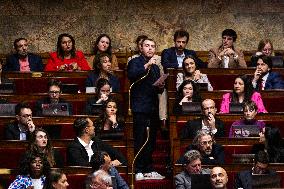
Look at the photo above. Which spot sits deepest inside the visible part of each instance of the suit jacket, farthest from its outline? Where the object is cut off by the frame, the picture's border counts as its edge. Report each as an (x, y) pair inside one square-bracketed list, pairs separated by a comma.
[(183, 179), (12, 63), (274, 81), (217, 156), (244, 179), (113, 80), (191, 127), (78, 156), (12, 132), (144, 96), (169, 58)]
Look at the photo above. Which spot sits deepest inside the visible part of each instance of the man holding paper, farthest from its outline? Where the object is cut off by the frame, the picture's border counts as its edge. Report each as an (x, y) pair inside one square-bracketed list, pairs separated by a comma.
[(143, 73)]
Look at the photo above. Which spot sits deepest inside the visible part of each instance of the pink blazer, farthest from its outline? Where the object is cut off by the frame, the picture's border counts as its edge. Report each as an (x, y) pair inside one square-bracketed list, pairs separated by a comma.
[(256, 97)]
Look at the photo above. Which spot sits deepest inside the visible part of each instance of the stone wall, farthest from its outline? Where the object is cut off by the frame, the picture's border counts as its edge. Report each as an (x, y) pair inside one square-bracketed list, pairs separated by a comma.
[(41, 21)]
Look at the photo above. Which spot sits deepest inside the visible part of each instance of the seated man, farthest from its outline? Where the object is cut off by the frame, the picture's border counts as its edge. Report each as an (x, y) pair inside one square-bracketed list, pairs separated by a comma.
[(261, 163), (219, 178), (264, 78), (81, 149), (250, 111), (192, 166), (227, 55), (211, 153), (23, 126), (207, 122), (54, 93), (173, 57), (22, 60)]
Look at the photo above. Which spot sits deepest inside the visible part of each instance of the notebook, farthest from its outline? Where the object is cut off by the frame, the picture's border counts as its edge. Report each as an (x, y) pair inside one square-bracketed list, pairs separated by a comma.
[(70, 88), (200, 181), (59, 109), (240, 131), (191, 107), (277, 61), (236, 108), (7, 88), (7, 109), (266, 181)]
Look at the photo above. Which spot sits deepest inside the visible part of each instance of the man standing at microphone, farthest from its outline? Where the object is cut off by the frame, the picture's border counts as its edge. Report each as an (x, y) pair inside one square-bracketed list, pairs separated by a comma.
[(143, 73)]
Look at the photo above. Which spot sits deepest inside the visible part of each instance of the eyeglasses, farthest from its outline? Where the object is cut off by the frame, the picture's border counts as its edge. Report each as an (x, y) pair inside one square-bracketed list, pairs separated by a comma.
[(53, 92), (203, 143)]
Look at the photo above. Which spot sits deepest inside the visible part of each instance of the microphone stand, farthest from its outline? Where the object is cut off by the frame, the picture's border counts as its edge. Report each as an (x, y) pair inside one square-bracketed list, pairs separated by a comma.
[(132, 166)]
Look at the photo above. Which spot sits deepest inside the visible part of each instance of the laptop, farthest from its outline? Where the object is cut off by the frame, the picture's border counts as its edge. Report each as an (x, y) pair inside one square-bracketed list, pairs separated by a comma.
[(266, 181), (243, 158), (7, 109), (200, 181), (59, 109), (7, 88), (97, 109), (191, 107), (240, 131), (70, 88), (236, 108), (202, 86), (277, 61)]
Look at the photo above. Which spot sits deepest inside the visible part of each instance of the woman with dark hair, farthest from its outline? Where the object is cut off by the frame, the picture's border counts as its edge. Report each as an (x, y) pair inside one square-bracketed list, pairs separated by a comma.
[(187, 92), (103, 92), (33, 170), (103, 70), (270, 140), (265, 47), (243, 91), (110, 124), (40, 142), (103, 45), (56, 180), (191, 72), (66, 57)]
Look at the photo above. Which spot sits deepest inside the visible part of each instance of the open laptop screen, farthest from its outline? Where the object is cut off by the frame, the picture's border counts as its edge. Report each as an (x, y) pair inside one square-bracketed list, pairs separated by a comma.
[(240, 131), (7, 109), (59, 109), (191, 107)]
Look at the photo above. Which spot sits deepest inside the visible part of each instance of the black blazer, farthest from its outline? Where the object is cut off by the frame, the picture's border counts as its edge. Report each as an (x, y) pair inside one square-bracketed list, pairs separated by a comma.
[(191, 127), (12, 63), (78, 156)]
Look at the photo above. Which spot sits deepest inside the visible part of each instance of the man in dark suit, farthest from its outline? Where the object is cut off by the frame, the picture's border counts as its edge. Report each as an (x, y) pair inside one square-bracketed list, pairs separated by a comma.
[(23, 126), (264, 78), (244, 178), (173, 57), (211, 152), (143, 73), (23, 60), (81, 149), (207, 122)]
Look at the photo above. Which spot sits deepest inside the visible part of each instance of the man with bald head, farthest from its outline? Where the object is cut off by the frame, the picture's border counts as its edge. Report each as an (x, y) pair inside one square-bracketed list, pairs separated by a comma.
[(207, 122), (218, 178)]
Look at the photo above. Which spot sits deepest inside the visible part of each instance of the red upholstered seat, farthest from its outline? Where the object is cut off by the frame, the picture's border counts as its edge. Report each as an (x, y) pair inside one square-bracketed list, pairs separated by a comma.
[(10, 157)]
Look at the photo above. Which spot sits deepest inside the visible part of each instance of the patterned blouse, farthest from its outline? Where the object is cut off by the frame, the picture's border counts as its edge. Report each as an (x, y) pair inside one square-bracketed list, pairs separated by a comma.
[(25, 181)]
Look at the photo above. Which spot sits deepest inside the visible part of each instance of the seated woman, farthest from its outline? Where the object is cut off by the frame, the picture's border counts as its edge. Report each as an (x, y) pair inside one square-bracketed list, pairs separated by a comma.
[(250, 111), (110, 124), (103, 70), (33, 170), (191, 72), (265, 47), (187, 92), (103, 93), (242, 92), (56, 180), (66, 58), (103, 45), (270, 141), (227, 55), (40, 142)]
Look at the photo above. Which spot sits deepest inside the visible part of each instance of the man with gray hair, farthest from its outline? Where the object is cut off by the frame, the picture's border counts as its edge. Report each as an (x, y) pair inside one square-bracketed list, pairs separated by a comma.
[(101, 180), (212, 153), (192, 166)]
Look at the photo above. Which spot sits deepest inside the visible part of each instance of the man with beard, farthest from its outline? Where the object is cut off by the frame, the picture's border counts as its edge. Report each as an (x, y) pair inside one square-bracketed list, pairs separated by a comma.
[(173, 57), (81, 149), (219, 178), (212, 153), (22, 60)]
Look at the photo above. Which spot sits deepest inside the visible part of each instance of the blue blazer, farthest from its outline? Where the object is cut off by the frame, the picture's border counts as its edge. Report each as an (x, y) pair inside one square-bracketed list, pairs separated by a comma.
[(274, 81), (12, 63), (113, 80), (144, 96), (169, 58)]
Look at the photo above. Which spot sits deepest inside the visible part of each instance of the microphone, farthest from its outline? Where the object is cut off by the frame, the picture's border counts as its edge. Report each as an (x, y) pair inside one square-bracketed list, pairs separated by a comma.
[(132, 165)]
